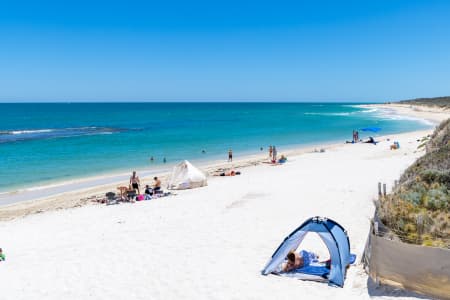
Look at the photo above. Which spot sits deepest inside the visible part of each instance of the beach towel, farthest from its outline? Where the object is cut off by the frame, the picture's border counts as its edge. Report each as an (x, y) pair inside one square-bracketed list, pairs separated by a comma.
[(317, 272), (312, 269)]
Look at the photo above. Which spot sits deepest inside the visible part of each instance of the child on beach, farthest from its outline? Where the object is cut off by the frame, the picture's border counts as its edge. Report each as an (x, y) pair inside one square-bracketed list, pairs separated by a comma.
[(2, 255), (148, 190)]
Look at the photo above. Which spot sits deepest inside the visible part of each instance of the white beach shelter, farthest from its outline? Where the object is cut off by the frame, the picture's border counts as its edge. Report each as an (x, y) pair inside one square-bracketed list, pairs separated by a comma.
[(186, 176)]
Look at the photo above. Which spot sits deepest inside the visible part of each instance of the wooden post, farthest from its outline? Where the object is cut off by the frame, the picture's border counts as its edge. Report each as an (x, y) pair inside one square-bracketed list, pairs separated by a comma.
[(379, 189), (419, 222), (384, 189)]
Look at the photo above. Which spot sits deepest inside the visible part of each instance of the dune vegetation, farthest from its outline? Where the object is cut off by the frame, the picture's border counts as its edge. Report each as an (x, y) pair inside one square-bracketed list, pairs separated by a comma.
[(443, 102), (417, 210)]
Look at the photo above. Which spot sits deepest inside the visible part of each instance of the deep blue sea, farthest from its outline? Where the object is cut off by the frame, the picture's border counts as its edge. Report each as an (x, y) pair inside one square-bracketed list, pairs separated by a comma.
[(42, 143)]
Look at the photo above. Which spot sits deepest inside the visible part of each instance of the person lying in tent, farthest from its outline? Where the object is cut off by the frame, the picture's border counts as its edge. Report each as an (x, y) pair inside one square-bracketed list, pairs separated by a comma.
[(300, 260)]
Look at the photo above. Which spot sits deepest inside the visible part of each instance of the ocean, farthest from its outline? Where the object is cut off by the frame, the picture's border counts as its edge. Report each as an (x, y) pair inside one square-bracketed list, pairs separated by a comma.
[(44, 143)]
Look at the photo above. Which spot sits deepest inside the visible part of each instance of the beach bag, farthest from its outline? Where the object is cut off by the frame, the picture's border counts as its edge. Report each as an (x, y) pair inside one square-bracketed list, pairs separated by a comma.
[(140, 197)]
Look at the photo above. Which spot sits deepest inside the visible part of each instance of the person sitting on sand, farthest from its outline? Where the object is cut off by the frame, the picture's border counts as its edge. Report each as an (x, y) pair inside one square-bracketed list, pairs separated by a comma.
[(148, 190), (135, 182), (156, 185), (299, 260), (395, 146), (2, 255)]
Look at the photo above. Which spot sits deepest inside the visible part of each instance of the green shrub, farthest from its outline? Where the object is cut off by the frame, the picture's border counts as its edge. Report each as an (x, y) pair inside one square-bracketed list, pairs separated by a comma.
[(418, 210), (437, 199)]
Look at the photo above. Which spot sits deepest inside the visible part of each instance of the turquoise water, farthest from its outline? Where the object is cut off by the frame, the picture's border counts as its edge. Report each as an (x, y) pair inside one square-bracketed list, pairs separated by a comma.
[(42, 143)]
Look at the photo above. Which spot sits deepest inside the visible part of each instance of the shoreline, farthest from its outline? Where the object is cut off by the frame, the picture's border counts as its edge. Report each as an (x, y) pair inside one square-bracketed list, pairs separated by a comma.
[(37, 186), (75, 193)]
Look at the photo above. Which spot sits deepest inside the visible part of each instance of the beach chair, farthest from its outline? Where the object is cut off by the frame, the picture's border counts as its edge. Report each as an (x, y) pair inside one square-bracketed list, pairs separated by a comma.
[(122, 191)]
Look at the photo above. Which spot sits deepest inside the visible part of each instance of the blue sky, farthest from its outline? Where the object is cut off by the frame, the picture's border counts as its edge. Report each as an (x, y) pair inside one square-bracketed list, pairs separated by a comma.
[(224, 50)]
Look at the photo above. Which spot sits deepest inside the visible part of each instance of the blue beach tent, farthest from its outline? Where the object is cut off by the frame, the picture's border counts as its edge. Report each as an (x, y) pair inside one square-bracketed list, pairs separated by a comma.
[(335, 238)]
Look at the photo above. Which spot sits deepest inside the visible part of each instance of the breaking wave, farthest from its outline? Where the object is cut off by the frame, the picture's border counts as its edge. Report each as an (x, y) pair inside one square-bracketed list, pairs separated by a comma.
[(8, 136)]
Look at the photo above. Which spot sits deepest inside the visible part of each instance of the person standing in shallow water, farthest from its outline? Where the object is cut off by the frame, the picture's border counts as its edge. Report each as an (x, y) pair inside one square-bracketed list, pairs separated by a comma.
[(270, 151), (230, 155)]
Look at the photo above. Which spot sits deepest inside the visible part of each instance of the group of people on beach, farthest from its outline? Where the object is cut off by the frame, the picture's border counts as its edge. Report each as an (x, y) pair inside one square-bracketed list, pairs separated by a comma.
[(135, 186), (356, 139), (273, 153)]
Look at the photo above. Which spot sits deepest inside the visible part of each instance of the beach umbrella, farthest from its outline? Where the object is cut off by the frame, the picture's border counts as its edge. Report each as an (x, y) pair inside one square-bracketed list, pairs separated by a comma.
[(372, 129)]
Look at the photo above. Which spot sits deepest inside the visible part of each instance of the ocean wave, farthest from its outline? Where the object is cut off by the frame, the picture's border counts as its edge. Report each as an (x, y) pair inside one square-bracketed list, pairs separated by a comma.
[(390, 114), (369, 110), (328, 114), (30, 131), (15, 135), (363, 108)]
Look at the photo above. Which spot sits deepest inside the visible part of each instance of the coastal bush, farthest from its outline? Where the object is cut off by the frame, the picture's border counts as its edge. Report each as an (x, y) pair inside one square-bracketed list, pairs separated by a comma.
[(443, 102), (436, 198), (430, 176), (417, 211)]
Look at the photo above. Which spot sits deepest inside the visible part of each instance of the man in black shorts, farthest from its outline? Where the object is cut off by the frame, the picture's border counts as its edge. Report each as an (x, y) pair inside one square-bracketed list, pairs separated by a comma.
[(135, 182)]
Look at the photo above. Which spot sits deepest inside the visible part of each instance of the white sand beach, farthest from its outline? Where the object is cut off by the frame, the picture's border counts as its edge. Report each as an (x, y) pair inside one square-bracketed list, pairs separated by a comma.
[(205, 243)]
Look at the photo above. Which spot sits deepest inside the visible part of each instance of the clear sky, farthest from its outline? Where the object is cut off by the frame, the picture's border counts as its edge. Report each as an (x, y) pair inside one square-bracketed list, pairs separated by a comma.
[(313, 50)]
